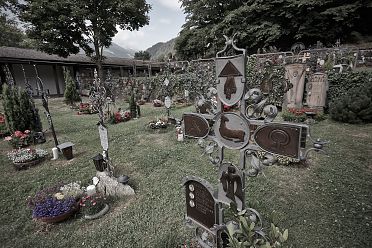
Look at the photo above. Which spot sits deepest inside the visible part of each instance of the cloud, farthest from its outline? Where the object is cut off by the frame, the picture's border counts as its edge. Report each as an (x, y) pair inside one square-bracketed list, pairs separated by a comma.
[(129, 39), (172, 4), (165, 21)]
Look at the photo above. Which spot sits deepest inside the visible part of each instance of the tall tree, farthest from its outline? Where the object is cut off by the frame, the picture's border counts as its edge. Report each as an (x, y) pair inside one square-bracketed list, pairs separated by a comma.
[(142, 55), (11, 35), (269, 23), (63, 27)]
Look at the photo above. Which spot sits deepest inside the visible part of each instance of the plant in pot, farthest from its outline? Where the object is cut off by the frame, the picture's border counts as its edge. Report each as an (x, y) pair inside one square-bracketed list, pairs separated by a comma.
[(93, 206), (23, 158), (50, 205)]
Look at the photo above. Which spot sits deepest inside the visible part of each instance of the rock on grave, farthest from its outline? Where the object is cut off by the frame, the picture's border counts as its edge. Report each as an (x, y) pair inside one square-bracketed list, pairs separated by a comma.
[(110, 186)]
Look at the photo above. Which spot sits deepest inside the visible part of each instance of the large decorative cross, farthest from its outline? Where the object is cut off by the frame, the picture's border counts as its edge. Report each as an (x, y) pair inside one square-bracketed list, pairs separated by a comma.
[(247, 126)]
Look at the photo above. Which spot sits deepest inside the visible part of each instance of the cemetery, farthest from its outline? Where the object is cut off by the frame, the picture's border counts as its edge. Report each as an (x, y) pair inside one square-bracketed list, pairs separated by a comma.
[(139, 187), (230, 149)]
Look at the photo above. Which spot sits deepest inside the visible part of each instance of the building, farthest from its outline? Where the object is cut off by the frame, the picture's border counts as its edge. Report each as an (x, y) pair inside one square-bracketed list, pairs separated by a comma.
[(25, 64)]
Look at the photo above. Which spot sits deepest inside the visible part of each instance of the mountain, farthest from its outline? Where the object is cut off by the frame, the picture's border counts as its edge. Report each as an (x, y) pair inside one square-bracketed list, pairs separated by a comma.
[(116, 51), (162, 49)]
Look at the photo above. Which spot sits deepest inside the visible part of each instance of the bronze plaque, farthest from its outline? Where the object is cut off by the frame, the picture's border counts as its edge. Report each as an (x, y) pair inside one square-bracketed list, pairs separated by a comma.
[(196, 126), (200, 204), (232, 130), (230, 72), (282, 139)]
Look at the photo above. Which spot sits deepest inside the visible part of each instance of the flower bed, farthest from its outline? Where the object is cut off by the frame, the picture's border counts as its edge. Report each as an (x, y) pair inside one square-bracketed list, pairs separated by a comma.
[(55, 204), (20, 139), (158, 124), (93, 206), (86, 108), (302, 114), (24, 158)]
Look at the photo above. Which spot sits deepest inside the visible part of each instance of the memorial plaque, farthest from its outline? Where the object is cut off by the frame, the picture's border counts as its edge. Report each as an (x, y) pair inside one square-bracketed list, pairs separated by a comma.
[(231, 77), (167, 102), (195, 125), (281, 139), (232, 130), (317, 91), (200, 203), (103, 137), (230, 188), (296, 75)]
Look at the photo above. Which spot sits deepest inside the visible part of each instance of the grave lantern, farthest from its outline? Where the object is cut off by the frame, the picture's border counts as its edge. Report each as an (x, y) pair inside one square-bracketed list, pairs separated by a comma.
[(99, 162)]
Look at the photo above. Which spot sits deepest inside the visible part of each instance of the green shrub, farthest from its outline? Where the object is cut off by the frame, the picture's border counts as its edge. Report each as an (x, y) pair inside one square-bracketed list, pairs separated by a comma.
[(291, 117), (20, 111), (71, 94), (355, 107), (341, 83)]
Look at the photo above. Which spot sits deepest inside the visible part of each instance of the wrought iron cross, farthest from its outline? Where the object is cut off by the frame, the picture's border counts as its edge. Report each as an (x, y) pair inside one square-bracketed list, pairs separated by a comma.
[(241, 120)]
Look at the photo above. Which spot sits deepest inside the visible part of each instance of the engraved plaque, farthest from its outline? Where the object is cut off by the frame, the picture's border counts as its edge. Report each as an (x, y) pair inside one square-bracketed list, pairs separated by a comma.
[(282, 139), (103, 137), (230, 72), (196, 126), (200, 204), (317, 92), (232, 130)]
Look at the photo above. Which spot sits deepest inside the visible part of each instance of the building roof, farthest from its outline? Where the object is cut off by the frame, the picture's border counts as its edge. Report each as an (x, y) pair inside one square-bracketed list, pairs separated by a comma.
[(22, 55)]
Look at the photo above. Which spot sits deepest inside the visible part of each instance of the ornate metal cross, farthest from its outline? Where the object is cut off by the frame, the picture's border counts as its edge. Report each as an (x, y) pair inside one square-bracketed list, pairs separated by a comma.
[(247, 126)]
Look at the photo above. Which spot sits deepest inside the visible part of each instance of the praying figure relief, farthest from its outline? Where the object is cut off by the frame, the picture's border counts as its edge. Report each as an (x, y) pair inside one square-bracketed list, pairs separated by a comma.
[(232, 184)]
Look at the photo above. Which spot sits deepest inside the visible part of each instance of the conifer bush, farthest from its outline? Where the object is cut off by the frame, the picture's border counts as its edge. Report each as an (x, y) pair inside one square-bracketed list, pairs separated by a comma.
[(71, 94), (355, 106), (19, 110)]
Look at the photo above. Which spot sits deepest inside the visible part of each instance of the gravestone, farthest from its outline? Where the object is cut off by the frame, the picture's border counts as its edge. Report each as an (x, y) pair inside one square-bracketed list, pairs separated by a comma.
[(317, 91), (201, 206), (295, 73)]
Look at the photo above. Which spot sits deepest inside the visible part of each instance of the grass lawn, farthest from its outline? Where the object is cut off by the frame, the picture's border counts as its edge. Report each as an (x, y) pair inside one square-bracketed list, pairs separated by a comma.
[(325, 204)]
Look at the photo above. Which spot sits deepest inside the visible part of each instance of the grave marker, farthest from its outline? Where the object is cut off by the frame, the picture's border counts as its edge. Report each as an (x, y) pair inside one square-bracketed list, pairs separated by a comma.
[(259, 142)]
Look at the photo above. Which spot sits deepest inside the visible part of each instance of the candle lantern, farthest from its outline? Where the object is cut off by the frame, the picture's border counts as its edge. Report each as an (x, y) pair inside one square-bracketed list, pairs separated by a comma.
[(99, 162)]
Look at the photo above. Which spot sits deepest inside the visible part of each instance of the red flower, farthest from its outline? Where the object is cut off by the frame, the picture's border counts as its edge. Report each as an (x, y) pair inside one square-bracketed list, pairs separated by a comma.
[(117, 117), (18, 134), (2, 119)]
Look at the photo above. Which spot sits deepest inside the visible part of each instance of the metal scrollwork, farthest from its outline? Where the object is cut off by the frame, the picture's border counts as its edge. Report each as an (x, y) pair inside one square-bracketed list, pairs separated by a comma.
[(257, 106)]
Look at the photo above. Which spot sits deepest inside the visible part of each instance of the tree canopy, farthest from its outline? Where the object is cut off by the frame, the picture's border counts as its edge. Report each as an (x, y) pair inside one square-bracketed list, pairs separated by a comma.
[(142, 55), (63, 27), (11, 34), (261, 24)]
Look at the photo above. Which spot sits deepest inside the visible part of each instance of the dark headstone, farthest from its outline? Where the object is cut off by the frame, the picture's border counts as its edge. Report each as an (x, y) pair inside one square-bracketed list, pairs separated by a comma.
[(200, 204)]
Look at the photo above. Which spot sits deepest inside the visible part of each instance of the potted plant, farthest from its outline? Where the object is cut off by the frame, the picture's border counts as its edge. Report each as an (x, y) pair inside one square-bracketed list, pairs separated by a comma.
[(93, 206), (20, 139), (50, 205), (23, 158)]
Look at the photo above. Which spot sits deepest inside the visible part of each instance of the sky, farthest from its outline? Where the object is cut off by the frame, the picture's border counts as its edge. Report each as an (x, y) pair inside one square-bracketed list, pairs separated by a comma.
[(166, 20)]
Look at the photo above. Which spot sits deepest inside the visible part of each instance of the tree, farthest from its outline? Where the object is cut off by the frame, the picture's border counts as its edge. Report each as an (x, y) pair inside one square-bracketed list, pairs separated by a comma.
[(20, 111), (11, 35), (65, 27), (142, 55), (261, 24), (71, 94)]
